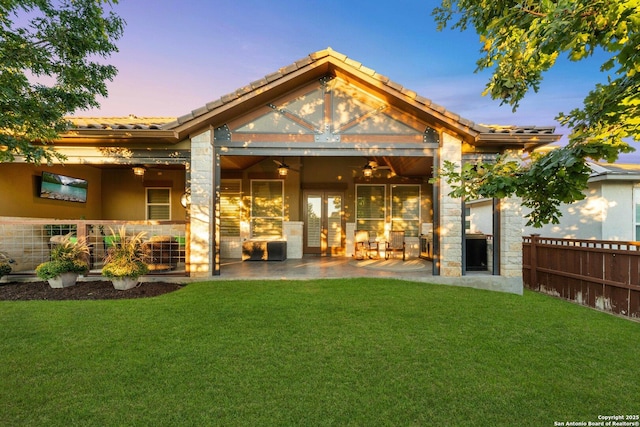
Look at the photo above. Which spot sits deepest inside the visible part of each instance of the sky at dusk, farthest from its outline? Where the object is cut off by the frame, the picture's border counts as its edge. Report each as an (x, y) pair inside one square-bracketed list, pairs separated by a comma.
[(176, 56)]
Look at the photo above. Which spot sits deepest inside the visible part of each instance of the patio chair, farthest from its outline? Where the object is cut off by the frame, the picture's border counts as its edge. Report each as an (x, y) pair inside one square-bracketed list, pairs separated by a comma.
[(361, 249), (395, 244), (373, 250), (366, 245)]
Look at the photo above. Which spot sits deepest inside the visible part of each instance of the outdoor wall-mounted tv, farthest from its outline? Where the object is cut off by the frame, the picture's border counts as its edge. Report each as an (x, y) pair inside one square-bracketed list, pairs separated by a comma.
[(60, 187)]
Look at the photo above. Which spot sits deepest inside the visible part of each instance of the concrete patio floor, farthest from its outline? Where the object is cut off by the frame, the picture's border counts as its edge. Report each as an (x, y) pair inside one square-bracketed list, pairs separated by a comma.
[(324, 267), (414, 269)]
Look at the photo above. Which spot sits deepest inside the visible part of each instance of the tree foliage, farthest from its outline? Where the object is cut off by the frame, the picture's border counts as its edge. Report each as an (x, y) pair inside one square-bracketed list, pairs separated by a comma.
[(50, 53), (520, 41)]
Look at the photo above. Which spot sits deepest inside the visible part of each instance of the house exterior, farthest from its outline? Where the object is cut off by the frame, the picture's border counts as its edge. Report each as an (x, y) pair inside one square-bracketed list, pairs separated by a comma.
[(609, 211), (323, 120)]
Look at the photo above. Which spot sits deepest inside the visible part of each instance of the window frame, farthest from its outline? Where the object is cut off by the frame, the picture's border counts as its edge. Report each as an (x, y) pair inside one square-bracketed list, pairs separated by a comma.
[(148, 204), (415, 219), (379, 230), (238, 183), (252, 217)]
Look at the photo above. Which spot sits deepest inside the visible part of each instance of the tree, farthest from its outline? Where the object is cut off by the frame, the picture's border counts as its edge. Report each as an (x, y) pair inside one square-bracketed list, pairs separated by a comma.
[(522, 39), (49, 68)]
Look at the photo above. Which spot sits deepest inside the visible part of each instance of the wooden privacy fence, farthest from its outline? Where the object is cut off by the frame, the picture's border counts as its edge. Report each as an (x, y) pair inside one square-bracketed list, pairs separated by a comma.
[(596, 273)]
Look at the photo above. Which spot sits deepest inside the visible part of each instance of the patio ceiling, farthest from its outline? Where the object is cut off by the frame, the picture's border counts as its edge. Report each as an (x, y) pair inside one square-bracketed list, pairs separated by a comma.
[(407, 166), (238, 163), (410, 167)]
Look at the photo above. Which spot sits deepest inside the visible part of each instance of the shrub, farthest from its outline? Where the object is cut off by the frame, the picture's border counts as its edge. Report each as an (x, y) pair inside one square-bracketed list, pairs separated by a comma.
[(52, 269), (5, 268), (125, 268), (125, 256), (67, 256)]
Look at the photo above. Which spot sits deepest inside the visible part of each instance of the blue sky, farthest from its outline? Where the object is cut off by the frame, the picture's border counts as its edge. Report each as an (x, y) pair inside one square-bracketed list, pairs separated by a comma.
[(176, 56)]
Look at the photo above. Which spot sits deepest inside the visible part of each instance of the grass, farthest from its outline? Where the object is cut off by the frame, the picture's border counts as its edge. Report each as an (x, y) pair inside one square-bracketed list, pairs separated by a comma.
[(327, 352)]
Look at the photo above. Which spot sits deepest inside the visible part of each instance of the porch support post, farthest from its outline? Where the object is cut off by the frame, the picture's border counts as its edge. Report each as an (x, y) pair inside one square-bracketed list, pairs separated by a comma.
[(215, 250), (436, 216), (450, 229), (497, 238), (201, 209), (510, 235)]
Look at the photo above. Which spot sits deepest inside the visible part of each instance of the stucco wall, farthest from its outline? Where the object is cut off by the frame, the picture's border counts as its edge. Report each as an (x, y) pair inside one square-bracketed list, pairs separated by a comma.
[(123, 194), (481, 216), (19, 190), (112, 194), (617, 221), (605, 214)]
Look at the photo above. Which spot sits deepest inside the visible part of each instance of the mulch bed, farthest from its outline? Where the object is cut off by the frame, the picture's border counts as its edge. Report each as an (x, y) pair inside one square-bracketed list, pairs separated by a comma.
[(93, 290)]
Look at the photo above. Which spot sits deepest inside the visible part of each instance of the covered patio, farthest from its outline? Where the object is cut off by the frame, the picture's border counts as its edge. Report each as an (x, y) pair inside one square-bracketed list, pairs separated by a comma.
[(306, 157)]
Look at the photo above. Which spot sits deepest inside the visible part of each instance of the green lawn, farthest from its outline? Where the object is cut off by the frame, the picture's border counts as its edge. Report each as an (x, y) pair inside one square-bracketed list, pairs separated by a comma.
[(326, 352)]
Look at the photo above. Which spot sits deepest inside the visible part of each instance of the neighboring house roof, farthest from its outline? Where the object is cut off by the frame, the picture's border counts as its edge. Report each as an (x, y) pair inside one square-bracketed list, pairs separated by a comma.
[(614, 172), (316, 65), (119, 130)]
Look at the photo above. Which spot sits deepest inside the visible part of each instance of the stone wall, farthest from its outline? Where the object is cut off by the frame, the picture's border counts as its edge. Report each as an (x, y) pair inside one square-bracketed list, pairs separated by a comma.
[(450, 214), (511, 224), (201, 210)]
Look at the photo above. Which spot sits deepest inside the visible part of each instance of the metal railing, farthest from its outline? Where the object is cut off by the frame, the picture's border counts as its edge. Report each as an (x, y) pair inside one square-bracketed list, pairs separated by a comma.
[(27, 242)]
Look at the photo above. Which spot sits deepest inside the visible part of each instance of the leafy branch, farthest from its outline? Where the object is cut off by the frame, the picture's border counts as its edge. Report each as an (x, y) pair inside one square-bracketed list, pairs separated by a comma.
[(49, 68), (520, 41)]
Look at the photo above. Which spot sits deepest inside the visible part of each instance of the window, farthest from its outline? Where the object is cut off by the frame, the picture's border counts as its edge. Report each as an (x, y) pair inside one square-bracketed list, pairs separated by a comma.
[(467, 219), (405, 209), (370, 207), (267, 208), (230, 207), (159, 203)]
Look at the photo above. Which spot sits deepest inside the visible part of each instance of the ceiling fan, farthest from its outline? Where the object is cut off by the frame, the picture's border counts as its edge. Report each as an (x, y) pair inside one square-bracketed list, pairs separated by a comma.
[(374, 165), (371, 166), (142, 169), (283, 168)]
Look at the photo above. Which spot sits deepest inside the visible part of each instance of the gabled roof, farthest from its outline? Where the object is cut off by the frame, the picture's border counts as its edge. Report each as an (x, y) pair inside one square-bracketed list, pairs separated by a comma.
[(338, 60), (314, 66), (614, 172), (334, 62)]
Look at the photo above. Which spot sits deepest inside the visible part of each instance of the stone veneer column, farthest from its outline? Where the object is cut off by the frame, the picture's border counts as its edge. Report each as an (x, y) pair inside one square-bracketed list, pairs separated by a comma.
[(201, 209), (450, 214), (511, 225)]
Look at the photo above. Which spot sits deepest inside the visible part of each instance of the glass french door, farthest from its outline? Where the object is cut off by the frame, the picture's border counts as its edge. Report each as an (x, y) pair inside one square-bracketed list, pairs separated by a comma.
[(324, 223)]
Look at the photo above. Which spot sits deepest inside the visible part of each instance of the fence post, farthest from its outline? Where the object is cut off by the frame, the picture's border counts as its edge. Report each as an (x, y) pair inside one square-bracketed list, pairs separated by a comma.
[(533, 261), (81, 229)]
